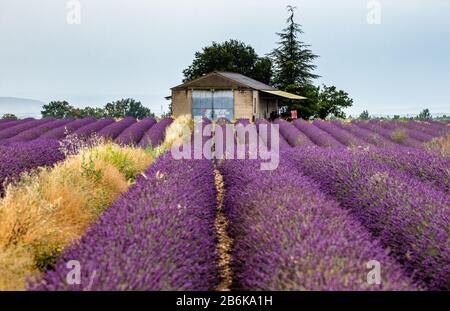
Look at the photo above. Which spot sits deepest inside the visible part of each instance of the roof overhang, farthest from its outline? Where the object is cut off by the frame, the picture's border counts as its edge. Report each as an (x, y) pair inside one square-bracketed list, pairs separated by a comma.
[(284, 94)]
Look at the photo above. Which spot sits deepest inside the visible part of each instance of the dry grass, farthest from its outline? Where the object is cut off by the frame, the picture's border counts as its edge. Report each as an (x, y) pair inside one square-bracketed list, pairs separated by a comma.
[(178, 132), (439, 145), (399, 135), (53, 207)]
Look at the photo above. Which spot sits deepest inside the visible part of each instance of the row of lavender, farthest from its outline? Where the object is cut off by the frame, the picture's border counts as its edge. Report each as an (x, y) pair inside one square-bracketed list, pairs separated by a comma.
[(28, 144), (400, 196), (334, 134), (337, 134), (294, 237), (126, 131), (159, 236)]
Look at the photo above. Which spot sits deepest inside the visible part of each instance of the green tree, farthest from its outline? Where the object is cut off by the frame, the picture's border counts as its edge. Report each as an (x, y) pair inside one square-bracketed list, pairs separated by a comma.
[(9, 116), (364, 115), (57, 109), (95, 112), (307, 108), (425, 115), (232, 56), (292, 59), (331, 102), (127, 108)]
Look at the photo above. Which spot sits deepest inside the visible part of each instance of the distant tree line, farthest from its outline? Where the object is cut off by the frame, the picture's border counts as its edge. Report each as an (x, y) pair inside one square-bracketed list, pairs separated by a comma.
[(118, 109), (289, 67), (9, 116), (424, 115)]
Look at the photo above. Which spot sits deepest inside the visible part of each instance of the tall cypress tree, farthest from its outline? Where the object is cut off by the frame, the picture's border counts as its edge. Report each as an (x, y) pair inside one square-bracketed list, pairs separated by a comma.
[(292, 59)]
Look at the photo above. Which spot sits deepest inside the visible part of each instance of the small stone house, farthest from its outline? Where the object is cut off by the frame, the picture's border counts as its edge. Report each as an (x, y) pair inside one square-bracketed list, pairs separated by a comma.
[(226, 95)]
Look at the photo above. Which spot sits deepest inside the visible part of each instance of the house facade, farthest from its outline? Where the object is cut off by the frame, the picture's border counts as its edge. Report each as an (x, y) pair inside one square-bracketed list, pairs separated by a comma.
[(226, 95)]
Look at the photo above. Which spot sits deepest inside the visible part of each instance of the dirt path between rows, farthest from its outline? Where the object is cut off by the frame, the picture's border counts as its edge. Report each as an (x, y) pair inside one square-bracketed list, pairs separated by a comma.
[(225, 243)]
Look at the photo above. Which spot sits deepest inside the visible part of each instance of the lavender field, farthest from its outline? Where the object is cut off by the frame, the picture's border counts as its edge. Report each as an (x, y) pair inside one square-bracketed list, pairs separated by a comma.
[(352, 205)]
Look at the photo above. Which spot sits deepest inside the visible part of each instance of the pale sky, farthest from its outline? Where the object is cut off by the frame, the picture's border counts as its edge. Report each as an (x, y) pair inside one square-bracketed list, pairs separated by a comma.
[(138, 48)]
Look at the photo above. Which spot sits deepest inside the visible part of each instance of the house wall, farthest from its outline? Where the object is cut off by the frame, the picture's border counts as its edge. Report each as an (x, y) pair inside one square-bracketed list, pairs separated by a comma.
[(181, 102), (243, 104), (244, 101)]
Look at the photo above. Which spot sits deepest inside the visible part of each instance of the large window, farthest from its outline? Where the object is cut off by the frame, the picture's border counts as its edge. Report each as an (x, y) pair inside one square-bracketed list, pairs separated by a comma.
[(213, 104)]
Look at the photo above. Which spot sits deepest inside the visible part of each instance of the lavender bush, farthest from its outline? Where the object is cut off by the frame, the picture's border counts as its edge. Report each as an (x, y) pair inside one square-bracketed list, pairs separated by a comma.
[(364, 134), (155, 135), (18, 158), (410, 217), (115, 129), (400, 136), (36, 132), (62, 131), (10, 123), (341, 135), (422, 127), (292, 135), (90, 129), (267, 140), (133, 134), (417, 163), (394, 125), (158, 236), (22, 126), (316, 135), (294, 238)]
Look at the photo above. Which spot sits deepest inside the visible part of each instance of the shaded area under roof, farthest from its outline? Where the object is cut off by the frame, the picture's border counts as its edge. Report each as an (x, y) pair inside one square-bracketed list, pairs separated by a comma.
[(284, 94)]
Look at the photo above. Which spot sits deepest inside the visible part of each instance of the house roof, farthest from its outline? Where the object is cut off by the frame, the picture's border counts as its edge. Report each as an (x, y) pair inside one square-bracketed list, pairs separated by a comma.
[(225, 79), (236, 78), (252, 83)]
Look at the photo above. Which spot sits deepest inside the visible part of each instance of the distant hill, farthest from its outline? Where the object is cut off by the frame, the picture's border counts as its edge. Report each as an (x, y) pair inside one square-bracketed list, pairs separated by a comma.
[(21, 107)]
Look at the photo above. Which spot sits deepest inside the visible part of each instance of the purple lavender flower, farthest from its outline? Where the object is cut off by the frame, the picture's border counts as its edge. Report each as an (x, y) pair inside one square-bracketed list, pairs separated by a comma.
[(115, 129), (62, 131), (36, 132), (88, 130), (18, 158), (403, 139), (155, 135), (316, 135), (409, 217), (133, 134), (287, 235), (292, 135), (267, 140), (341, 135), (364, 134), (22, 126), (160, 235)]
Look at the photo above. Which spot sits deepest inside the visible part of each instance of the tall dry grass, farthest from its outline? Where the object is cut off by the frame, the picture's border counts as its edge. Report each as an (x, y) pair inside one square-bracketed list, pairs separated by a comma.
[(178, 132), (439, 146), (53, 207)]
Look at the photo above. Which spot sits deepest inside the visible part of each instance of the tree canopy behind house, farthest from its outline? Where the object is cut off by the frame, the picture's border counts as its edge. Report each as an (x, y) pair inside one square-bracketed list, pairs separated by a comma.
[(232, 56), (289, 67)]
